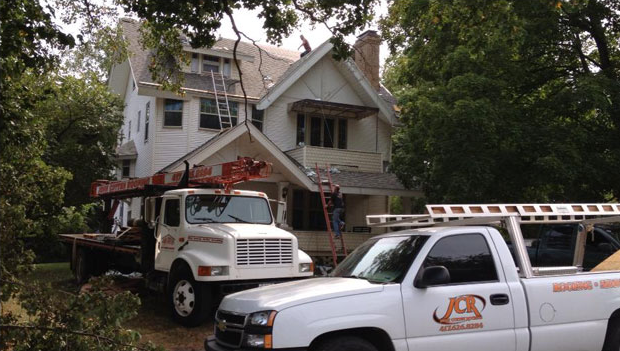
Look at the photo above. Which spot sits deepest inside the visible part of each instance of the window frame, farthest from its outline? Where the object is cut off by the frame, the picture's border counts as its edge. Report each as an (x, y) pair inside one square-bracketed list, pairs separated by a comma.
[(206, 61), (233, 106), (486, 241), (323, 122), (147, 113), (180, 126), (258, 122), (126, 164)]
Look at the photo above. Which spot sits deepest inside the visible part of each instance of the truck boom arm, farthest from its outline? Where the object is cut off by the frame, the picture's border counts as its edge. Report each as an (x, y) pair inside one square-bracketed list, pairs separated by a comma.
[(227, 174)]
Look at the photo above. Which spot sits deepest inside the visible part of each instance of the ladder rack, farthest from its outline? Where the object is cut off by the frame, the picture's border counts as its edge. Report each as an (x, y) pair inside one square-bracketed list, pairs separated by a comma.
[(490, 213)]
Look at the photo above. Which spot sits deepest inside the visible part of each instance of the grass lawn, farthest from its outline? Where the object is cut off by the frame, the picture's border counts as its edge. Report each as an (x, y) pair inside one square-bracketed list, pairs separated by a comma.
[(153, 321)]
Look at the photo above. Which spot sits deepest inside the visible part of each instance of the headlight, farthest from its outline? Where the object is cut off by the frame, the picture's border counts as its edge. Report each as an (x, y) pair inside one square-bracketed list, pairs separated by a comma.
[(306, 267), (260, 341), (263, 318), (212, 270)]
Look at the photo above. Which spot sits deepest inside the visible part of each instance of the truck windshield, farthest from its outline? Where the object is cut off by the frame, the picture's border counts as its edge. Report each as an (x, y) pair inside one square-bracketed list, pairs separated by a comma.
[(201, 209), (382, 260)]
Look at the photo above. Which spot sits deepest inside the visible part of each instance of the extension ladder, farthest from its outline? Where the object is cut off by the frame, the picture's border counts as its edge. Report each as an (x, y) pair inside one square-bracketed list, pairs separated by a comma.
[(221, 100), (328, 223)]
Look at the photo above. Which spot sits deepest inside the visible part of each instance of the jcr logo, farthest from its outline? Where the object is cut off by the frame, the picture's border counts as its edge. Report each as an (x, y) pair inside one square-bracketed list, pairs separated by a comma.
[(462, 309)]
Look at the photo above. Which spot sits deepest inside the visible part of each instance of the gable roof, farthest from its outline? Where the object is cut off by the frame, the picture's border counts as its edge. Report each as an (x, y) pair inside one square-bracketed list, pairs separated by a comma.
[(350, 182), (303, 65), (270, 61)]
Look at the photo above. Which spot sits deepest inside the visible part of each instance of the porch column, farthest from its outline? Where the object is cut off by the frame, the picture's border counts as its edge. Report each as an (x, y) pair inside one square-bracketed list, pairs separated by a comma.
[(283, 188)]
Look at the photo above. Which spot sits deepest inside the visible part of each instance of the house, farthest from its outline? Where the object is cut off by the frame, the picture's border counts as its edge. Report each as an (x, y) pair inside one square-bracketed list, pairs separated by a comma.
[(300, 112)]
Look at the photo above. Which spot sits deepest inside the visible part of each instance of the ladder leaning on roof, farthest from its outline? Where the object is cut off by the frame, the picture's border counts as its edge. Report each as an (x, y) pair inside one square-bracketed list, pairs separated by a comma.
[(221, 100)]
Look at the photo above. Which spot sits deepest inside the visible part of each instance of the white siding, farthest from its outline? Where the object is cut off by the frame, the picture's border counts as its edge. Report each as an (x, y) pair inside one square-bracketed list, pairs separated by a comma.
[(325, 82), (133, 104)]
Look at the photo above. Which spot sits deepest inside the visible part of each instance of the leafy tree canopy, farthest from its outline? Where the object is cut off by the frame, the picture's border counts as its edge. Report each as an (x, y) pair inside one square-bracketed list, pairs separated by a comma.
[(198, 22), (507, 100)]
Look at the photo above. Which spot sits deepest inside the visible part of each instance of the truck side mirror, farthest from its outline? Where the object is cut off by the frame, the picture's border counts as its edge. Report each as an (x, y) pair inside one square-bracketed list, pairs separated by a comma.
[(279, 210), (431, 276)]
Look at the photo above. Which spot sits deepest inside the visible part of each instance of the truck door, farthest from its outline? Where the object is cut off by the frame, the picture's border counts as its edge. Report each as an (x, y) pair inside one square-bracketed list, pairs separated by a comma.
[(167, 233), (473, 312)]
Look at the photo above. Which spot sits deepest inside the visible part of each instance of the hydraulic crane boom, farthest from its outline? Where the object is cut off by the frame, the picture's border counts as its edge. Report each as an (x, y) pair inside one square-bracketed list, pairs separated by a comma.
[(227, 174)]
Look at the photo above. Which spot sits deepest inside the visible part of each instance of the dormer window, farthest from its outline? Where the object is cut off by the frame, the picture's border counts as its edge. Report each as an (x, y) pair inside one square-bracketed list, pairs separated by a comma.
[(203, 63), (210, 64)]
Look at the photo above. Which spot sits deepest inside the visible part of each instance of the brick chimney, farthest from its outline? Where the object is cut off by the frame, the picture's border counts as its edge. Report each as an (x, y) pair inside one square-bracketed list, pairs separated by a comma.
[(367, 56)]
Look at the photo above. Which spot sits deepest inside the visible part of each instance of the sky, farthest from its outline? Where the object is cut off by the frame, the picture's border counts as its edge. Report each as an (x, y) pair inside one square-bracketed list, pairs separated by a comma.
[(248, 22)]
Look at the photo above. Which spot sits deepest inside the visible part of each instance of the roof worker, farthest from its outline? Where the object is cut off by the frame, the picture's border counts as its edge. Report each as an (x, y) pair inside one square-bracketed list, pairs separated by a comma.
[(305, 44), (338, 203)]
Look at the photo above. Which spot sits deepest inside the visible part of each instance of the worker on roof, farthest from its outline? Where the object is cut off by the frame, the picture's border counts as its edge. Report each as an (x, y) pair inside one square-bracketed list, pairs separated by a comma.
[(305, 44)]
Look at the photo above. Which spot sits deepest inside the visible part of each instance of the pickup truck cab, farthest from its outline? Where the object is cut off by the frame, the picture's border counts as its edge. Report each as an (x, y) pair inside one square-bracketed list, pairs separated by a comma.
[(438, 288)]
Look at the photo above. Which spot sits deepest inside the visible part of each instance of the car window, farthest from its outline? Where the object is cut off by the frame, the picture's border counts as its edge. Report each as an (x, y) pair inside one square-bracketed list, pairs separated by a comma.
[(172, 217), (467, 257), (559, 237)]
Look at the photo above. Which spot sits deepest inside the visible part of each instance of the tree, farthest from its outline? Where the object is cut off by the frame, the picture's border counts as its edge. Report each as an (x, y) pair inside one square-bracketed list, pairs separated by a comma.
[(198, 21), (506, 100)]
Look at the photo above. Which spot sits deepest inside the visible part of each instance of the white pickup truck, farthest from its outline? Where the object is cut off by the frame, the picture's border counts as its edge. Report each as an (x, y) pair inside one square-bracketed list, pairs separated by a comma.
[(453, 286)]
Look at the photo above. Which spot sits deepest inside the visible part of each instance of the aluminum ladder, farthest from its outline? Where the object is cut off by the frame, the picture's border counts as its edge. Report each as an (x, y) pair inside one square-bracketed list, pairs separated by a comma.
[(328, 223), (221, 100)]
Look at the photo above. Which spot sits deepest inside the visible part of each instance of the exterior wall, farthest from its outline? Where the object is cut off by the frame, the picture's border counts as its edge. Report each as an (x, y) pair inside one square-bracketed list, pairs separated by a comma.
[(174, 142), (324, 82), (135, 103), (361, 161)]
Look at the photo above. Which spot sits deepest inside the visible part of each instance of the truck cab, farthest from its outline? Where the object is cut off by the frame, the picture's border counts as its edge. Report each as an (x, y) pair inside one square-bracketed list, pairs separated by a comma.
[(453, 285), (210, 242)]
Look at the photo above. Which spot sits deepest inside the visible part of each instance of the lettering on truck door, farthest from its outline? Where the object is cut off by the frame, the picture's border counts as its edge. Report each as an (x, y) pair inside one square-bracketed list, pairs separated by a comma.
[(168, 228), (473, 311)]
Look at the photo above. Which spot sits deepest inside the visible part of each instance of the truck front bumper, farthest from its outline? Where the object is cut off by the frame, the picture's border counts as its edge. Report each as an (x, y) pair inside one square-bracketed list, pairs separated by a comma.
[(211, 345)]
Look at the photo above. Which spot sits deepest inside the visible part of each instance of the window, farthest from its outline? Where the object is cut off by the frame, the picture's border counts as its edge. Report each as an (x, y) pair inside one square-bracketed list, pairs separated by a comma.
[(342, 133), (126, 168), (195, 64), (467, 257), (210, 64), (173, 113), (301, 130), (560, 237), (315, 131), (257, 117), (172, 217), (209, 117), (139, 121), (129, 132), (227, 68), (324, 131), (328, 132), (147, 114)]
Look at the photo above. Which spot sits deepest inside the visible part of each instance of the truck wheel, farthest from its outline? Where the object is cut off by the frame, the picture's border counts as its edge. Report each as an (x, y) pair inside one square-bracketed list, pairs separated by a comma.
[(82, 269), (345, 343), (612, 339), (190, 300)]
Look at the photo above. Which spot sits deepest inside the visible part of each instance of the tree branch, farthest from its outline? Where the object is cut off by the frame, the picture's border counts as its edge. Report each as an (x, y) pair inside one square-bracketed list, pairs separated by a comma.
[(72, 332)]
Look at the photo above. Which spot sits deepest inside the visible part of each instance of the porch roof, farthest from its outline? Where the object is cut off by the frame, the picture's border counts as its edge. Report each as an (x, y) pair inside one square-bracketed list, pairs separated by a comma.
[(334, 109)]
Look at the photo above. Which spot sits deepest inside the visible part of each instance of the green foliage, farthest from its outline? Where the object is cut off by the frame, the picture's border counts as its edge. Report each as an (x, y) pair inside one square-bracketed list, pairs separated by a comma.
[(83, 118), (168, 23), (506, 100), (87, 321)]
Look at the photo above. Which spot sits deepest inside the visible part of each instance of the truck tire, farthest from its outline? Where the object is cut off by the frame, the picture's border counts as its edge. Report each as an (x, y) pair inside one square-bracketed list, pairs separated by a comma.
[(83, 266), (190, 300), (345, 343), (612, 339)]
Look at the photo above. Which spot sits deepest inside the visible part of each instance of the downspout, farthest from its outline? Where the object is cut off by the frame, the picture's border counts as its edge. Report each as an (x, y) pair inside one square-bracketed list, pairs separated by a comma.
[(377, 132)]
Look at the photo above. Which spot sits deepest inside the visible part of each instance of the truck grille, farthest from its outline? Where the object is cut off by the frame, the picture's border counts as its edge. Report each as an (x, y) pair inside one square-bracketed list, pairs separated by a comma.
[(256, 252), (229, 328)]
